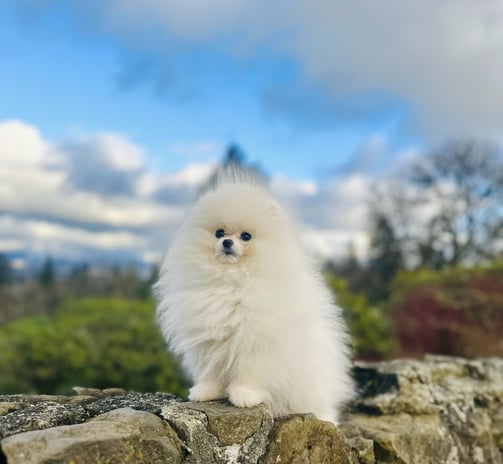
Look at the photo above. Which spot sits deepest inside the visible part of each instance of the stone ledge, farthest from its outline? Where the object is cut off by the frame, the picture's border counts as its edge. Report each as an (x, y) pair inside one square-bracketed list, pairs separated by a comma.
[(440, 410)]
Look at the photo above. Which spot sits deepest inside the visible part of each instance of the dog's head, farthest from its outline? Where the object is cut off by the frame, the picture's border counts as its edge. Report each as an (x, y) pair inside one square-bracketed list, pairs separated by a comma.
[(236, 224), (231, 245)]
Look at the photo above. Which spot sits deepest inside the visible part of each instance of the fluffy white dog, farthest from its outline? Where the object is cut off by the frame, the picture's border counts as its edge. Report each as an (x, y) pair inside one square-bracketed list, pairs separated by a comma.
[(245, 308)]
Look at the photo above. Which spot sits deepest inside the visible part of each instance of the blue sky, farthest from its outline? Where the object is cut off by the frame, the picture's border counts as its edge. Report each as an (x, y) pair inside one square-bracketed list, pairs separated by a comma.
[(61, 77), (328, 97)]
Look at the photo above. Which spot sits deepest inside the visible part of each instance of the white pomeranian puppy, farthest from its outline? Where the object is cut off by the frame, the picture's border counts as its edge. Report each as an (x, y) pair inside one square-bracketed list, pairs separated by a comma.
[(247, 311)]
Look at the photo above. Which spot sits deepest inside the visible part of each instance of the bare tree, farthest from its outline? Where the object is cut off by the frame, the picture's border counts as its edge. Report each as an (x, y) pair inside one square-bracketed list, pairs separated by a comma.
[(450, 208), (463, 181)]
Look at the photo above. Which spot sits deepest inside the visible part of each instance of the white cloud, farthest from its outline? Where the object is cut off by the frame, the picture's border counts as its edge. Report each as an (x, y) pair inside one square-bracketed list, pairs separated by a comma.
[(50, 233), (119, 152), (22, 146), (335, 243), (441, 58), (45, 210), (292, 188), (331, 215), (35, 176), (52, 198), (177, 188), (338, 203), (194, 174), (102, 163), (189, 20), (10, 244)]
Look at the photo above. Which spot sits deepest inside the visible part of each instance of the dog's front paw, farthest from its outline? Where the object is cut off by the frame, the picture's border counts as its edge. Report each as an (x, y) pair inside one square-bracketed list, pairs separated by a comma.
[(246, 397), (205, 392)]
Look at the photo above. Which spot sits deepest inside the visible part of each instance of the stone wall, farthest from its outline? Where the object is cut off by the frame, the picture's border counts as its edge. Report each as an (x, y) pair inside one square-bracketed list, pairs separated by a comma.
[(440, 410)]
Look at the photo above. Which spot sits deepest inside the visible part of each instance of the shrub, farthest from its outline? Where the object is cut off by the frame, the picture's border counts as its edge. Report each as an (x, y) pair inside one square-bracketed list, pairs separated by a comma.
[(369, 327), (90, 342), (457, 311)]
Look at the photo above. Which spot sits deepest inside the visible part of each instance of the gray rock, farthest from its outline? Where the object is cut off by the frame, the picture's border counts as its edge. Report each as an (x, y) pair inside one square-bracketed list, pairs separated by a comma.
[(424, 387), (96, 392), (36, 412), (304, 439), (450, 405), (401, 438), (6, 407), (122, 435), (232, 425), (471, 430), (218, 433), (151, 402), (39, 416), (362, 449)]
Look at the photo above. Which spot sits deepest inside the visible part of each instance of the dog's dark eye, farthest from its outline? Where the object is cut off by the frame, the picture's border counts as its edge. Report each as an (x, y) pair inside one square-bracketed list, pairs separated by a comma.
[(245, 236), (219, 233)]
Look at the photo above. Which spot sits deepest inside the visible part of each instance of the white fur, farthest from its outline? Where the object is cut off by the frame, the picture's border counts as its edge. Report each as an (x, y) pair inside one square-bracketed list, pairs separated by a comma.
[(258, 326)]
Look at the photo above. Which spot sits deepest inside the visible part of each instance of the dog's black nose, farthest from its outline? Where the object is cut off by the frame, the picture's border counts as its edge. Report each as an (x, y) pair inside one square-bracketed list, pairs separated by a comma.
[(227, 243)]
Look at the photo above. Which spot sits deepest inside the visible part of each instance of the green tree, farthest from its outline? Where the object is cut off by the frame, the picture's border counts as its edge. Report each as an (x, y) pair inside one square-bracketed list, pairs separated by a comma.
[(46, 275), (145, 285), (385, 258), (5, 270)]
